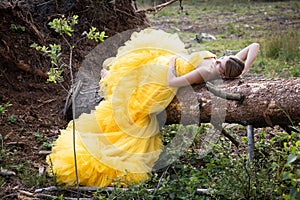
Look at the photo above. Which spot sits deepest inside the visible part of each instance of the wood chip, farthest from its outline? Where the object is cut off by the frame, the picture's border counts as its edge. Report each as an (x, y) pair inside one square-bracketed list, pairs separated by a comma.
[(6, 172), (42, 152)]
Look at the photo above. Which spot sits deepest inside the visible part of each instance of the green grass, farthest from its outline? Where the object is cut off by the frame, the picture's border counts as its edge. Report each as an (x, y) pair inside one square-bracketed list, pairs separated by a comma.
[(237, 24), (24, 170), (31, 177), (280, 55), (283, 45)]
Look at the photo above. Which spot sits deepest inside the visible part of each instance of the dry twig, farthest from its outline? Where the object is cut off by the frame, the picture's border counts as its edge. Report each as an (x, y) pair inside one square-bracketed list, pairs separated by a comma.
[(156, 8), (29, 20), (106, 189)]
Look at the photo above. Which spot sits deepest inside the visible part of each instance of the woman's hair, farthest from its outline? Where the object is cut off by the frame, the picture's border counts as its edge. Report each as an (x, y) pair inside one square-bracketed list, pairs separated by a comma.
[(233, 67)]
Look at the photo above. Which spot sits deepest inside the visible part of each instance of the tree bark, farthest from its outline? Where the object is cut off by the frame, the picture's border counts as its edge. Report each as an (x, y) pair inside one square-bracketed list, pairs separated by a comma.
[(267, 102)]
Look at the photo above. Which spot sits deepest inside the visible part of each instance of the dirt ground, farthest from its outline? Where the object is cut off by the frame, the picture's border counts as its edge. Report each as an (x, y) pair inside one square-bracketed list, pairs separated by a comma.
[(35, 116), (32, 121), (37, 108)]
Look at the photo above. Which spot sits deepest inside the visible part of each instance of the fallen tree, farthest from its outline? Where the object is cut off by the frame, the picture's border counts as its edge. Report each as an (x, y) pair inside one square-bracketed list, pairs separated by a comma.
[(253, 101), (264, 102), (260, 102)]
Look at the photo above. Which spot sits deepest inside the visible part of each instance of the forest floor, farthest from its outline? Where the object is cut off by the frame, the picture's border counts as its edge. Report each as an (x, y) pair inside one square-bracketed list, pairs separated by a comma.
[(32, 122)]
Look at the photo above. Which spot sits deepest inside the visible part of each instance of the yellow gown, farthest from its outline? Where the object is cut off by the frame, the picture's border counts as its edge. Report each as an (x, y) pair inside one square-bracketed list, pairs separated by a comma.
[(119, 140)]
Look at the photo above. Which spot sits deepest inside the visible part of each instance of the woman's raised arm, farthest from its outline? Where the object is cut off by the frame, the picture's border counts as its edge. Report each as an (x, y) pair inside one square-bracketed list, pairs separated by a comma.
[(248, 55)]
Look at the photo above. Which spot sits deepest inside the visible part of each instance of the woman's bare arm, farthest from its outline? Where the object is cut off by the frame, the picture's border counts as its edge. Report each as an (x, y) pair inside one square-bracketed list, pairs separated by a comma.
[(248, 55), (198, 75)]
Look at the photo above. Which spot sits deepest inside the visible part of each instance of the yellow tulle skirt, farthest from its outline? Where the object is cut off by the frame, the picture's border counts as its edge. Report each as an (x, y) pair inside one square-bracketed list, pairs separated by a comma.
[(119, 140)]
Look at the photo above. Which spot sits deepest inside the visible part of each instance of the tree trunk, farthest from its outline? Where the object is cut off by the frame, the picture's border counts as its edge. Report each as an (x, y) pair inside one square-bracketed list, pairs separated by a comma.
[(266, 102)]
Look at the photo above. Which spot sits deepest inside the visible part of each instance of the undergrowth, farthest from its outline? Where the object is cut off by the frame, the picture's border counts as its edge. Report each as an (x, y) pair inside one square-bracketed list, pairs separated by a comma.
[(225, 172)]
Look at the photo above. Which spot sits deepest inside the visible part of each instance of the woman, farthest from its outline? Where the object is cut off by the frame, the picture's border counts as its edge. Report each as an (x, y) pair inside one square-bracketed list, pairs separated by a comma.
[(119, 141), (211, 68)]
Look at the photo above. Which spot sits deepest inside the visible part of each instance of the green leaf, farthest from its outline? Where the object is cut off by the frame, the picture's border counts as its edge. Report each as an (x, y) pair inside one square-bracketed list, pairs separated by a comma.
[(97, 36), (34, 45), (74, 20), (285, 176), (291, 158), (293, 193), (8, 104), (244, 139), (44, 49), (63, 25), (102, 36)]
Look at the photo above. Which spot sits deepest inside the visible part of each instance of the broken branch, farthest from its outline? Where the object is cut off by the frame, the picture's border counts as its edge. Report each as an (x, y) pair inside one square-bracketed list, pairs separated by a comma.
[(223, 94), (27, 68), (156, 8)]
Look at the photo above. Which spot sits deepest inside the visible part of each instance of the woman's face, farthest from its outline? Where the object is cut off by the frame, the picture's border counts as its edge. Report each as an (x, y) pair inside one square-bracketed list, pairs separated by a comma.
[(222, 61)]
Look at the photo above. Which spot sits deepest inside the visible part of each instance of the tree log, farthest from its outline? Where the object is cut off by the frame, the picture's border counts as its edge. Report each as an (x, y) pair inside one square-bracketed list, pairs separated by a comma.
[(266, 102)]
